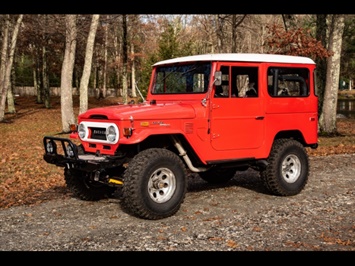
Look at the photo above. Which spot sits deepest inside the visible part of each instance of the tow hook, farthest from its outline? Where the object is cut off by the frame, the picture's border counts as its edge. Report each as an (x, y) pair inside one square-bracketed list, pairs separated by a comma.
[(115, 181), (110, 180)]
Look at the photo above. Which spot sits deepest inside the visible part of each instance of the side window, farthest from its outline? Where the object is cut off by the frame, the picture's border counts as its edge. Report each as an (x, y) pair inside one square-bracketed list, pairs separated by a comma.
[(223, 89), (288, 82), (245, 82)]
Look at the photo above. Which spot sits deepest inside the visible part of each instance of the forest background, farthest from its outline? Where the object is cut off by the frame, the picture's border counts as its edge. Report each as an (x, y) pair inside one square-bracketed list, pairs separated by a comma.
[(111, 55), (114, 53)]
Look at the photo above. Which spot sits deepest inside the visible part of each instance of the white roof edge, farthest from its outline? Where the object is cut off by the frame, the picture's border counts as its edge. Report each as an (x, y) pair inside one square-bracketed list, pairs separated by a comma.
[(244, 57)]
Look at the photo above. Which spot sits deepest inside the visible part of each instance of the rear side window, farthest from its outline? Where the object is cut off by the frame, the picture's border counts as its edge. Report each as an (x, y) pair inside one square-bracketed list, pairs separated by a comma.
[(288, 82)]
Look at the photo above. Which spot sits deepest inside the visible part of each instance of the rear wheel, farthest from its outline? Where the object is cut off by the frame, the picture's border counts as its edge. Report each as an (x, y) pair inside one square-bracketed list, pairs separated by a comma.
[(154, 184), (82, 185), (288, 168)]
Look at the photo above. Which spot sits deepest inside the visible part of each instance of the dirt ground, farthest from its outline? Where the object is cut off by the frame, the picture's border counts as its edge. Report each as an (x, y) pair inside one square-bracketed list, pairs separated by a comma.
[(238, 216)]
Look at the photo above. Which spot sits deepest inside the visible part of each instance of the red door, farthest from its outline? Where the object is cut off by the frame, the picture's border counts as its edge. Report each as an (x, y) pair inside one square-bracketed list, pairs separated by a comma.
[(237, 117), (237, 123)]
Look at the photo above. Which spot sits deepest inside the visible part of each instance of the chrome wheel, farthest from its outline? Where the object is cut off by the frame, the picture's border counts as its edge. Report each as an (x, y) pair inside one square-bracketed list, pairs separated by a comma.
[(291, 168), (161, 185)]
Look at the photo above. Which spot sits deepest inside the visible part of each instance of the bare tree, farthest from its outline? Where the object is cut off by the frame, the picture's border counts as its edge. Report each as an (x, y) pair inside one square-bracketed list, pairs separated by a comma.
[(9, 70), (104, 74), (84, 82), (66, 87), (7, 57), (125, 60), (133, 74), (321, 74), (134, 26), (41, 41), (117, 53), (289, 21), (204, 33), (327, 121), (235, 23), (44, 82), (4, 52), (220, 31)]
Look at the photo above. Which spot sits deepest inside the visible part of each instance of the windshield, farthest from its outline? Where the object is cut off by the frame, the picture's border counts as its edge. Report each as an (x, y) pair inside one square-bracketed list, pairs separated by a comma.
[(182, 78)]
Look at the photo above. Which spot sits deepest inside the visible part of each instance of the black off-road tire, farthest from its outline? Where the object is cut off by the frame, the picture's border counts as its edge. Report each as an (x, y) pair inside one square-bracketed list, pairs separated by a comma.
[(288, 168), (218, 175), (155, 184), (82, 187)]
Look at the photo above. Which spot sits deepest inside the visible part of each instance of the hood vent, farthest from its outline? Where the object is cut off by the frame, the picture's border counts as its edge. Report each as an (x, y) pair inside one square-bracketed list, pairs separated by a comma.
[(101, 117)]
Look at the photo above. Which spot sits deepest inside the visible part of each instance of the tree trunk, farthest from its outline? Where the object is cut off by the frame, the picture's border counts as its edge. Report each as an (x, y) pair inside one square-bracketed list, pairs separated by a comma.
[(321, 34), (36, 83), (5, 34), (125, 60), (10, 93), (220, 20), (43, 69), (117, 55), (235, 23), (7, 58), (66, 86), (45, 79), (327, 121), (104, 77), (289, 21), (9, 70), (10, 101), (88, 64), (133, 73)]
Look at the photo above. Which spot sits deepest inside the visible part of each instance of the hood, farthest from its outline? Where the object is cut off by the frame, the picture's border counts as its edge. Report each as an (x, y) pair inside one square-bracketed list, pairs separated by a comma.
[(143, 111)]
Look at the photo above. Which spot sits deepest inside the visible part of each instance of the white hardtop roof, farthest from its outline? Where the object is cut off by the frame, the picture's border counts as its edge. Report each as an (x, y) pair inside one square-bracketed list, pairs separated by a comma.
[(240, 57)]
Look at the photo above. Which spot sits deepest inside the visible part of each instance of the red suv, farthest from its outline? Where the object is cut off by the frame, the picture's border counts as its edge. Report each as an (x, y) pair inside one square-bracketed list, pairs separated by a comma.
[(211, 114)]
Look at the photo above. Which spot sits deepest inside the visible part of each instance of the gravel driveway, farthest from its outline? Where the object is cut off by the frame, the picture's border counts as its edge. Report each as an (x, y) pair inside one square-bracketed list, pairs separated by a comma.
[(238, 216)]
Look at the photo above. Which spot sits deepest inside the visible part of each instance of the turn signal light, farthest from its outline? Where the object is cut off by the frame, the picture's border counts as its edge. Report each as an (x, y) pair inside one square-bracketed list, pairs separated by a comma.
[(73, 127), (127, 132)]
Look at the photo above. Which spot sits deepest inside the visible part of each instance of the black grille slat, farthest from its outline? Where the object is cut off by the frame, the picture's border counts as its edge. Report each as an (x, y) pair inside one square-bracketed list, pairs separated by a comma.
[(98, 133)]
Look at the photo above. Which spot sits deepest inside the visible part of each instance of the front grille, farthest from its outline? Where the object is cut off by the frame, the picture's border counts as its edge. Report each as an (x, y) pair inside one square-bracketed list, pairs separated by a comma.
[(98, 133)]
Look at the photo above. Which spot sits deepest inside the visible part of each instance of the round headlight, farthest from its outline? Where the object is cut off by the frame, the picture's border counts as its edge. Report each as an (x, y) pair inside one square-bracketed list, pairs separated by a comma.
[(81, 131), (111, 134)]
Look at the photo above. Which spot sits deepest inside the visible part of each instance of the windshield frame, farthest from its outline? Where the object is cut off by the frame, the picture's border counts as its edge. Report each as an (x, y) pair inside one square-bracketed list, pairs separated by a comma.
[(182, 78)]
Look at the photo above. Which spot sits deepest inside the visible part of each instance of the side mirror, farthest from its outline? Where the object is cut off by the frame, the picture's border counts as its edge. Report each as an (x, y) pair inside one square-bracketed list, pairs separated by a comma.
[(218, 78)]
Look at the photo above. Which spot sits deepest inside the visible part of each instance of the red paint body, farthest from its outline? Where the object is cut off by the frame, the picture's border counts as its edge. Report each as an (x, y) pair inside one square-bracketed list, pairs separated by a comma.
[(226, 128)]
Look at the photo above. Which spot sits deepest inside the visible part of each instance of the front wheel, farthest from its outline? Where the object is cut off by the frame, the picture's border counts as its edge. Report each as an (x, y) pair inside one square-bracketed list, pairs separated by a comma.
[(288, 168), (154, 184)]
